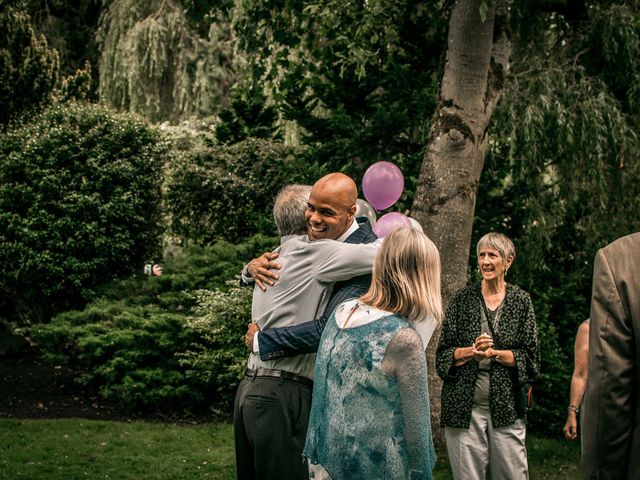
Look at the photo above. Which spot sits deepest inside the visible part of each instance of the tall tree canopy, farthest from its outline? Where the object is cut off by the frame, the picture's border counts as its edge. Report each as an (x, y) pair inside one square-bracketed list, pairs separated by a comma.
[(28, 67), (156, 61), (356, 81)]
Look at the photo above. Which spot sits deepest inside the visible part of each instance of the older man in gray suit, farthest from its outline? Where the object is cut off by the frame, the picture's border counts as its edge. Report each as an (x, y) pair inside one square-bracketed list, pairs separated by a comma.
[(611, 434)]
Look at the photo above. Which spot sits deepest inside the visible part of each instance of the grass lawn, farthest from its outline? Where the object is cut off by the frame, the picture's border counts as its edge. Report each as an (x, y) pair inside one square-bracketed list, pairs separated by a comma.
[(76, 449)]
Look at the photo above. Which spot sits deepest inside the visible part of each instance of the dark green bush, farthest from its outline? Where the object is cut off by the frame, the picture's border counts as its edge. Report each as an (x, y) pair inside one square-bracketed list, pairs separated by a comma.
[(185, 270), (79, 205), (227, 191), (127, 353), (139, 344), (247, 116), (551, 391)]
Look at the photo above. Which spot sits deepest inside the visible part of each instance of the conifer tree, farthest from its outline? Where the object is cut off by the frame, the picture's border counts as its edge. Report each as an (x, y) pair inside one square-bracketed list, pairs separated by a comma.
[(28, 67)]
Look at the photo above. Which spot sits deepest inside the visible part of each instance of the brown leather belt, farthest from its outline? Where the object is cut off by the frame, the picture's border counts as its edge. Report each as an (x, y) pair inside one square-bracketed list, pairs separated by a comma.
[(281, 374)]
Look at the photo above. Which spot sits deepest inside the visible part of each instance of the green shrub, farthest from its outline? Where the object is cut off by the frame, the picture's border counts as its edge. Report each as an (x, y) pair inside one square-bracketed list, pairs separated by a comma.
[(560, 308), (249, 115), (126, 353), (227, 191), (217, 356), (185, 270), (79, 205), (137, 345), (551, 391)]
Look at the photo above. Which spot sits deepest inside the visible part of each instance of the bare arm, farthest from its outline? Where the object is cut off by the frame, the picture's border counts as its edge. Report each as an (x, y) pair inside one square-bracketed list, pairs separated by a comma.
[(504, 357), (483, 349), (578, 380)]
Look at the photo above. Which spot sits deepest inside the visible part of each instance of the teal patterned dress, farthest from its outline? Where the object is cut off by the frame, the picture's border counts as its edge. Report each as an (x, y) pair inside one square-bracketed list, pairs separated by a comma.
[(370, 415)]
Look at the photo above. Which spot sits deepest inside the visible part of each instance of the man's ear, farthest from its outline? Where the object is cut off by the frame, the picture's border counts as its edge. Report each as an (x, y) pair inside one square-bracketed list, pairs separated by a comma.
[(351, 210)]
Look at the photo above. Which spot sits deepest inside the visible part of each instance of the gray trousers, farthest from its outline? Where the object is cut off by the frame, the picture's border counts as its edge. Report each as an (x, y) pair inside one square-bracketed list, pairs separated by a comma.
[(270, 421), (482, 451)]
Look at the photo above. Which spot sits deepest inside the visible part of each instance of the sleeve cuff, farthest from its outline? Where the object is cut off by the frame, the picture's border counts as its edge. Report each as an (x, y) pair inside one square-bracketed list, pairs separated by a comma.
[(246, 276), (256, 347)]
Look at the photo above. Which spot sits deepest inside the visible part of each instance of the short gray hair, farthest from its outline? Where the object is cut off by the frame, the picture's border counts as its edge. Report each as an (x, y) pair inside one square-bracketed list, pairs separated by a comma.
[(499, 242), (289, 209)]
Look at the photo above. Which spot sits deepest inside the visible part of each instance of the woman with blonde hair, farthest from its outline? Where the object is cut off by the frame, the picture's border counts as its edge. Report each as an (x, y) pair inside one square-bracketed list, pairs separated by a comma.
[(370, 414)]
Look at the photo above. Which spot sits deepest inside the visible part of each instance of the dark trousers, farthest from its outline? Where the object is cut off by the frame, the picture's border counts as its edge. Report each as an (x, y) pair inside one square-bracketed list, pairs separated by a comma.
[(270, 420)]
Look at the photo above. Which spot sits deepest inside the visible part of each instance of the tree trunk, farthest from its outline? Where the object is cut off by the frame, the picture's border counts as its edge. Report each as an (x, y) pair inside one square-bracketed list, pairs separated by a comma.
[(444, 203)]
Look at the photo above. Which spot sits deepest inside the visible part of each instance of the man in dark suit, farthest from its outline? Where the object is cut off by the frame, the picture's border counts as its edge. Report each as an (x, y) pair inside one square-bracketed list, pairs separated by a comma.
[(305, 337), (611, 433)]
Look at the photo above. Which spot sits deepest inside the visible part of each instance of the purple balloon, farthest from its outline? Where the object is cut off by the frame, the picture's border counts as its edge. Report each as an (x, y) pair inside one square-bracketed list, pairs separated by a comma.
[(389, 222), (382, 184)]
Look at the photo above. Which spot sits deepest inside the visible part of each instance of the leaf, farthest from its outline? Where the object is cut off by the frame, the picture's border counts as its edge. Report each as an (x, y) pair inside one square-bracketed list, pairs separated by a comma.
[(483, 11)]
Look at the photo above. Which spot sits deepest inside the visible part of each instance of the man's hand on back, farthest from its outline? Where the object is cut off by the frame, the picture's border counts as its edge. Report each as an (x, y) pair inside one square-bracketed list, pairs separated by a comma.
[(261, 268), (252, 329)]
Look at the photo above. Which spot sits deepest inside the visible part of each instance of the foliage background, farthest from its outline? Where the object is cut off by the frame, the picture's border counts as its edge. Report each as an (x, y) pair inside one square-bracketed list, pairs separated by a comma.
[(225, 191), (79, 204), (169, 344), (251, 95)]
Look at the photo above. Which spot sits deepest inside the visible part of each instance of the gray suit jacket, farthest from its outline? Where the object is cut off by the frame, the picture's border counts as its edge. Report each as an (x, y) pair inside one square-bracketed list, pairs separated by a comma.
[(312, 268), (611, 433)]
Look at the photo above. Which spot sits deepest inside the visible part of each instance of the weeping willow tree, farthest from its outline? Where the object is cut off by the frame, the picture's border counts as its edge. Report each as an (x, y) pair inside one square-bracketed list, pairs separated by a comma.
[(154, 61), (562, 175), (566, 158)]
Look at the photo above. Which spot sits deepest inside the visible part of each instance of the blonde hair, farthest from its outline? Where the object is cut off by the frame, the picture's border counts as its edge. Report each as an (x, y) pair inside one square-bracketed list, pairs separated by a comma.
[(406, 277), (499, 242)]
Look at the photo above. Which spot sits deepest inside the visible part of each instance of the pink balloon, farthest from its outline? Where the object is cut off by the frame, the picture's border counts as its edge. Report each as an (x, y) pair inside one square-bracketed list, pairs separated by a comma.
[(389, 222), (382, 184)]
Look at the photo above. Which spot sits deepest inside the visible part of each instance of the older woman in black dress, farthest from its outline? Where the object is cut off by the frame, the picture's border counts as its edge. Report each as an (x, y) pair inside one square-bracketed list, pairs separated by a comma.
[(488, 352)]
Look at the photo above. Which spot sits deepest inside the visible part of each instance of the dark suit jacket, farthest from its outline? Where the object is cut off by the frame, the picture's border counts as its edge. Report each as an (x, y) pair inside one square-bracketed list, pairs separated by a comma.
[(305, 337), (611, 433)]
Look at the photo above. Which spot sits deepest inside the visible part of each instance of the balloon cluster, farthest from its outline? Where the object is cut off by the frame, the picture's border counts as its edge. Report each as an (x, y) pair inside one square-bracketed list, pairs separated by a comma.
[(382, 185)]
